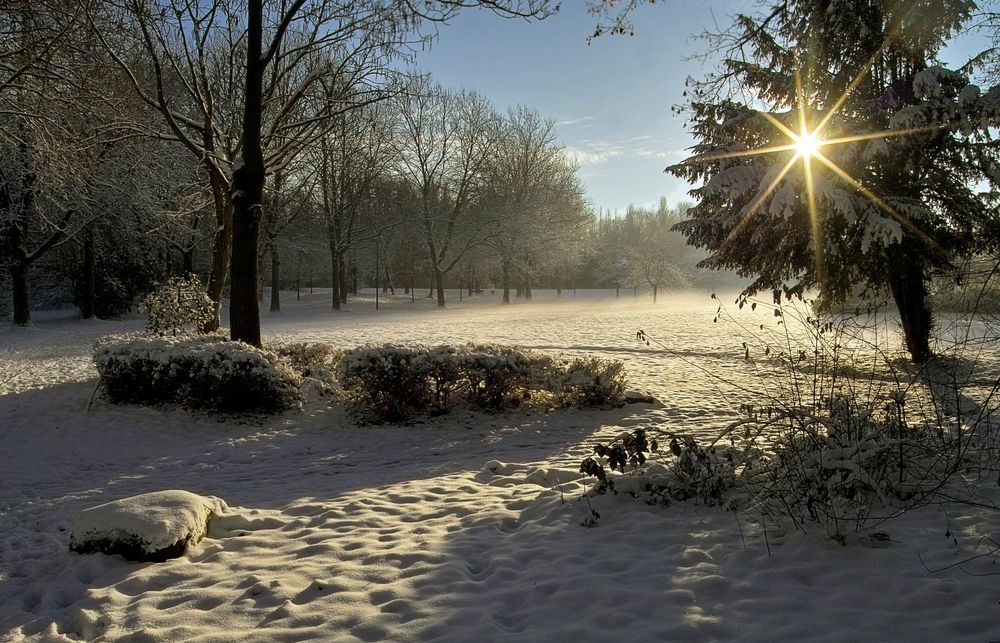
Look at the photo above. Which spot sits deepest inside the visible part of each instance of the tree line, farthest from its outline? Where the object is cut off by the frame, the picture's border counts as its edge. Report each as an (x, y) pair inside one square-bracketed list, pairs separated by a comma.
[(134, 133)]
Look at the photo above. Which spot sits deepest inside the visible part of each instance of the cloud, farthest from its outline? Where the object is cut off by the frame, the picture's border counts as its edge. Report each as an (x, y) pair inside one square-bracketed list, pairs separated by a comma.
[(574, 121), (593, 152), (674, 155), (591, 156)]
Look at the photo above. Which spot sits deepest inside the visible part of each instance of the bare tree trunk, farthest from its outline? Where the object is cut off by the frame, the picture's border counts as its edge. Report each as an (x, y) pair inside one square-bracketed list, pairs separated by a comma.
[(909, 291), (388, 282), (335, 275), (221, 250), (506, 281), (19, 282), (343, 280), (88, 305), (248, 192), (275, 277), (187, 261), (439, 282), (654, 293), (354, 276)]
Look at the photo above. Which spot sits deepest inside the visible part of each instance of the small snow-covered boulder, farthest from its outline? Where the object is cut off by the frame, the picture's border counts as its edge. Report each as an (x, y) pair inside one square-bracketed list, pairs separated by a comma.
[(149, 527), (639, 397)]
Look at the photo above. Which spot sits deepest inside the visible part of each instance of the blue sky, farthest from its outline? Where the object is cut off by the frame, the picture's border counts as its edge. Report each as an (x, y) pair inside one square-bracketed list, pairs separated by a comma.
[(611, 100)]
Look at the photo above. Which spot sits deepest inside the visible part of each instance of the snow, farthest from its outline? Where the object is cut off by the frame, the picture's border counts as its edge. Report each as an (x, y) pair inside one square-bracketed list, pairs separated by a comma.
[(147, 524), (464, 527)]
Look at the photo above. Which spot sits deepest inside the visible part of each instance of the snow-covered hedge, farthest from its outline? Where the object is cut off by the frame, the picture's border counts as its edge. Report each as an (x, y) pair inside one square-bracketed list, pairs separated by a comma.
[(391, 382), (388, 381), (592, 381), (314, 361), (499, 376), (205, 371)]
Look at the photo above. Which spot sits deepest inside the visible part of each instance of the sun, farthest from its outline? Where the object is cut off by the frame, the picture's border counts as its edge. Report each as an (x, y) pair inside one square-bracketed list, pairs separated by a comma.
[(810, 145), (807, 144)]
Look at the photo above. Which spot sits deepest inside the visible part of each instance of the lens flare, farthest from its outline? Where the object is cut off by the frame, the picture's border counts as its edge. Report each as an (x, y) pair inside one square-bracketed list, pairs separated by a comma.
[(807, 144)]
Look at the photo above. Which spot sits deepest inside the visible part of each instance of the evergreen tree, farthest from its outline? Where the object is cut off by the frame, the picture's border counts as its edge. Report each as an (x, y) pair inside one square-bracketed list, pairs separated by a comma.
[(874, 153)]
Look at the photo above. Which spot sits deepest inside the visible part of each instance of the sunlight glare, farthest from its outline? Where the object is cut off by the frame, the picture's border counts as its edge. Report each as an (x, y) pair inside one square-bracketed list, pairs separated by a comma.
[(807, 145)]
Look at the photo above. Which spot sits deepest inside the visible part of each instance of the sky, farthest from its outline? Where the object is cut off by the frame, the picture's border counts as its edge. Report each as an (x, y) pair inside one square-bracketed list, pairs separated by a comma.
[(612, 99)]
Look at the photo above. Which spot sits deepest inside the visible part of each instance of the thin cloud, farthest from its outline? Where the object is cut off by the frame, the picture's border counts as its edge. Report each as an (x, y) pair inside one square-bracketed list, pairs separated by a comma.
[(574, 121), (590, 157), (674, 155)]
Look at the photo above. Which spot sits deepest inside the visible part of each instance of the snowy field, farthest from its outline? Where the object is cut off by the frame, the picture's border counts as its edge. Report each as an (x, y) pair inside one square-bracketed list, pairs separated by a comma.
[(461, 528)]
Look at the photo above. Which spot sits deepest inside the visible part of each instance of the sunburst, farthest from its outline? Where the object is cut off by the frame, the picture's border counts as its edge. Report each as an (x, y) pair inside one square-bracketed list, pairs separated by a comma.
[(806, 145)]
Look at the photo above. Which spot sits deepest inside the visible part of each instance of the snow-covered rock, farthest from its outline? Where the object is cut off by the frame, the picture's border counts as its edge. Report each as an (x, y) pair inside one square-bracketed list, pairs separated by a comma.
[(636, 396), (148, 527)]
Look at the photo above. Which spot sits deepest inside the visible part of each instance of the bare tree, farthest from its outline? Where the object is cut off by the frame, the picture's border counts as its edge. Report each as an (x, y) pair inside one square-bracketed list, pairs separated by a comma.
[(533, 197), (49, 127), (354, 154), (445, 140)]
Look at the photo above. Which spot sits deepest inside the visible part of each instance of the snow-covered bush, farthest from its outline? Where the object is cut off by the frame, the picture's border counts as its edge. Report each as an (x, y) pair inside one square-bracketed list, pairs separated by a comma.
[(593, 381), (687, 471), (444, 368), (846, 464), (391, 382), (839, 434), (315, 361), (388, 381), (498, 376), (177, 305), (206, 372)]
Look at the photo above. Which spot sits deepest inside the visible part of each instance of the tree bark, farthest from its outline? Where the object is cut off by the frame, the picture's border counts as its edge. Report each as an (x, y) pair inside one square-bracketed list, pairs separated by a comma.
[(19, 282), (335, 276), (187, 261), (354, 277), (909, 290), (439, 283), (88, 304), (388, 282), (221, 249), (248, 192), (506, 281), (275, 277)]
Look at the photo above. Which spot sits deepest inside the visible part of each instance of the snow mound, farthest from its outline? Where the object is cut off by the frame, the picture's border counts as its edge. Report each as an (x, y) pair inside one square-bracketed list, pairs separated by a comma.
[(149, 527), (638, 396)]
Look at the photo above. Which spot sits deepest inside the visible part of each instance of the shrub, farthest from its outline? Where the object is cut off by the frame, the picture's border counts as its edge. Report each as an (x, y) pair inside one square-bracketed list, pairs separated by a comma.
[(122, 276), (592, 381), (499, 376), (444, 368), (688, 471), (839, 435), (178, 304), (391, 382), (838, 467), (388, 381), (205, 372), (315, 361)]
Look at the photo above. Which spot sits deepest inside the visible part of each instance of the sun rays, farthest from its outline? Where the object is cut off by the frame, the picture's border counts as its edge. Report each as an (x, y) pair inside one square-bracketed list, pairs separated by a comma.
[(809, 146)]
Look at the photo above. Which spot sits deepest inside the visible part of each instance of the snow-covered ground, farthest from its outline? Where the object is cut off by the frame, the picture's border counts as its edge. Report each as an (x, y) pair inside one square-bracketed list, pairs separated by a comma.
[(464, 527)]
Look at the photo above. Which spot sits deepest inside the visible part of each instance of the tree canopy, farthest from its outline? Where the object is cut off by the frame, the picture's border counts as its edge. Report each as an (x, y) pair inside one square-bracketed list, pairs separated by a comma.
[(834, 152)]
